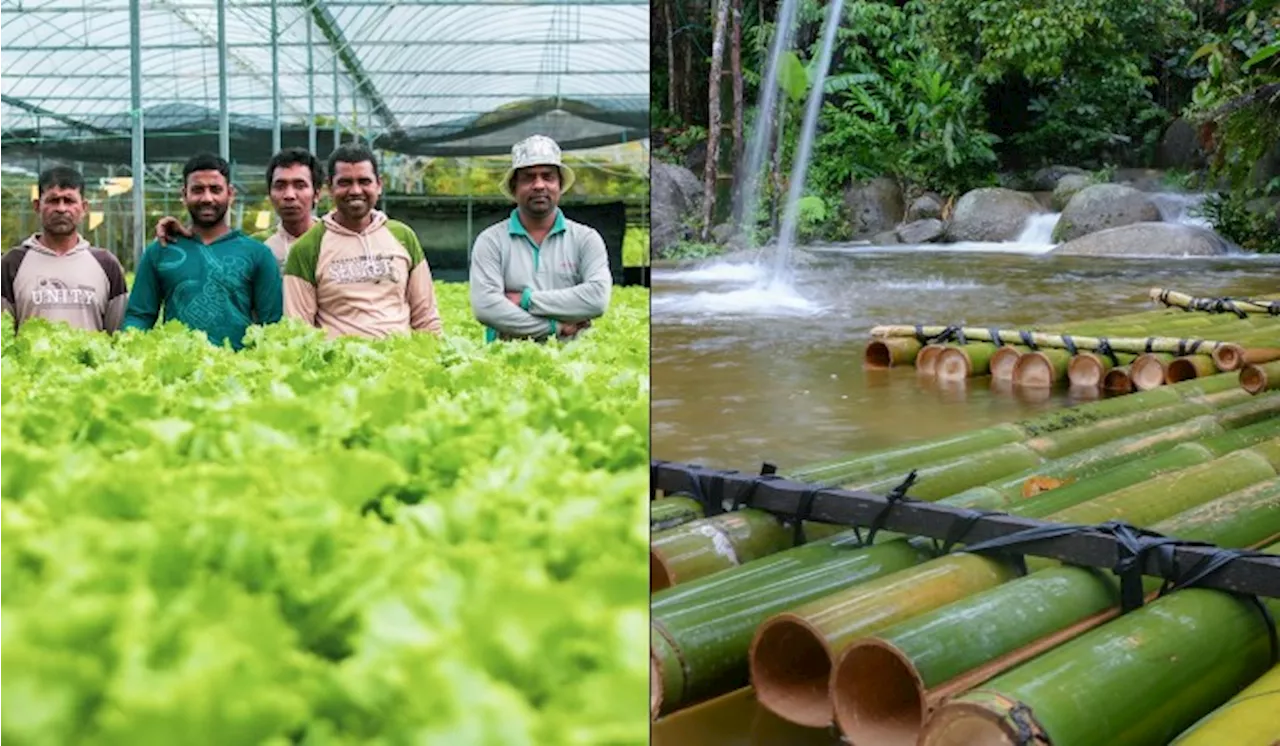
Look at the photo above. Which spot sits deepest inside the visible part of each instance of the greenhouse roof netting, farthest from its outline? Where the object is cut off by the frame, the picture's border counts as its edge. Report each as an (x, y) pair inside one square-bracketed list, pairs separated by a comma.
[(421, 77)]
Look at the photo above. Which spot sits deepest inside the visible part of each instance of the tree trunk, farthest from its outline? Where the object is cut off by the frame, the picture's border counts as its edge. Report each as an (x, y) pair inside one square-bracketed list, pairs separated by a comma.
[(687, 96), (672, 79), (735, 70), (713, 118)]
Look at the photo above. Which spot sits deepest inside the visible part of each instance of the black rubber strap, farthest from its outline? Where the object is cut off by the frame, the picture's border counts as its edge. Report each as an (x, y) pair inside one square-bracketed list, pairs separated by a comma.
[(1209, 565), (1104, 348), (920, 335), (802, 514), (896, 495), (1027, 340), (1070, 344), (963, 523), (1150, 342), (995, 337)]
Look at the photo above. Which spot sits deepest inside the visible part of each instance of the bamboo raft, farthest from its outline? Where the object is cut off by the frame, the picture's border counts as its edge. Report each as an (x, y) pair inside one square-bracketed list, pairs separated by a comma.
[(1189, 338), (902, 640)]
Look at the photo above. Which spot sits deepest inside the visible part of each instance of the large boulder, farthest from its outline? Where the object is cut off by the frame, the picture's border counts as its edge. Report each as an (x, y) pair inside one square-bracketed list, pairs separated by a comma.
[(1103, 206), (1047, 178), (1068, 187), (991, 214), (874, 206), (674, 195), (695, 158), (1149, 240), (927, 205), (1180, 147), (1142, 179), (922, 231), (885, 238)]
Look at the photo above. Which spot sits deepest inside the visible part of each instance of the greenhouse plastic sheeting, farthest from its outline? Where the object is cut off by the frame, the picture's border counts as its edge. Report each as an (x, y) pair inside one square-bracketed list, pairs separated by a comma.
[(441, 77)]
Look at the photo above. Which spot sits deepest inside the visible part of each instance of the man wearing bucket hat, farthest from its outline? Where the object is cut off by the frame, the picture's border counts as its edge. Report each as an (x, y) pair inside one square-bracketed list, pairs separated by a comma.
[(538, 274)]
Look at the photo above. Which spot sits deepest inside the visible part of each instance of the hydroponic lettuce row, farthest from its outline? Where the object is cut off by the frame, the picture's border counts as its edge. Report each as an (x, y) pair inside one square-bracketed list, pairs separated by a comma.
[(409, 541)]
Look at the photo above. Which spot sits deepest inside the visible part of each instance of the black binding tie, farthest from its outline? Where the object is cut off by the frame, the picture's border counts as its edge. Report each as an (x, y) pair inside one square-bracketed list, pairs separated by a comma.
[(896, 495), (1104, 348), (1027, 340)]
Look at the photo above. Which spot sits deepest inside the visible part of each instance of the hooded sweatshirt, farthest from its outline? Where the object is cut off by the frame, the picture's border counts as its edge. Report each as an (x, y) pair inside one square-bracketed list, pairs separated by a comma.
[(84, 287), (218, 288), (279, 241), (369, 283)]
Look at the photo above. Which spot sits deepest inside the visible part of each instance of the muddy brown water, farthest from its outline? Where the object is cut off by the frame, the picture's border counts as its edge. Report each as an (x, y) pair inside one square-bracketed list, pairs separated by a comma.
[(745, 373)]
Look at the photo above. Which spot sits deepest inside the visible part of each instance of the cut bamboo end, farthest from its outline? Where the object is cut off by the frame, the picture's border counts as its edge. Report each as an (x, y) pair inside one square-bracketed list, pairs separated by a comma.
[(877, 695), (890, 352), (655, 688), (1228, 357), (790, 670), (660, 575), (927, 360), (1254, 379), (1147, 372), (1035, 370), (1118, 381), (1187, 368), (1086, 371), (953, 365), (969, 724), (1003, 361)]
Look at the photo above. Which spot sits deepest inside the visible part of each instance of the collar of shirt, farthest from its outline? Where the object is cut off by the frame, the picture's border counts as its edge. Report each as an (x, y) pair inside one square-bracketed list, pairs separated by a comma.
[(516, 228)]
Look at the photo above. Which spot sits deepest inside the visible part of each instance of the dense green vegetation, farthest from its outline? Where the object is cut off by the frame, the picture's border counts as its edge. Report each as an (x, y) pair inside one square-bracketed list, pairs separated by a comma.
[(949, 95), (326, 542)]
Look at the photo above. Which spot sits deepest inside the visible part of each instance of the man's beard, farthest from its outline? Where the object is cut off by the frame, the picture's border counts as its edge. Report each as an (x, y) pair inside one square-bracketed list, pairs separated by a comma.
[(219, 211)]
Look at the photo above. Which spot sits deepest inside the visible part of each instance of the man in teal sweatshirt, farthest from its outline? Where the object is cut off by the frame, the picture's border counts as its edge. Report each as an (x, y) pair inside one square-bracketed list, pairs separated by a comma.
[(217, 281)]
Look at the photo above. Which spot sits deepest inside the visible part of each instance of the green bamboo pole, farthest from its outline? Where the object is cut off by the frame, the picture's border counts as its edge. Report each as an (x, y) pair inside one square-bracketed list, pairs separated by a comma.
[(1182, 300), (1048, 339), (1138, 680), (1248, 719), (927, 360), (1148, 370), (884, 687), (708, 545), (669, 512), (791, 652), (900, 460), (1087, 369), (1260, 377), (1073, 440), (702, 629), (1188, 367), (945, 479), (1233, 356), (794, 653), (967, 361), (891, 353), (1042, 368)]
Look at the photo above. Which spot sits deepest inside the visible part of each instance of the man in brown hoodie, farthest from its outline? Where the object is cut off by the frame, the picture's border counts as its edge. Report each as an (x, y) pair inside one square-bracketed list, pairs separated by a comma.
[(56, 274), (356, 272)]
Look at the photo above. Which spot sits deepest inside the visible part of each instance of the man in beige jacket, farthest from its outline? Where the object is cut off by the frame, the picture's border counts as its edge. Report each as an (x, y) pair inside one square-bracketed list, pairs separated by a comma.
[(538, 274), (355, 272)]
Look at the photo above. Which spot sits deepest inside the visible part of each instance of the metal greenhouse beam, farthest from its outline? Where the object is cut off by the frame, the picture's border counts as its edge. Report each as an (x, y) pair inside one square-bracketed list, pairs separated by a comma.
[(224, 114), (65, 119), (328, 26), (139, 138)]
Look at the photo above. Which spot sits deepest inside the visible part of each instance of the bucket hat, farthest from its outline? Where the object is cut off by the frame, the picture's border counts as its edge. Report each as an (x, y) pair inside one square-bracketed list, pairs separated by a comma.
[(538, 150)]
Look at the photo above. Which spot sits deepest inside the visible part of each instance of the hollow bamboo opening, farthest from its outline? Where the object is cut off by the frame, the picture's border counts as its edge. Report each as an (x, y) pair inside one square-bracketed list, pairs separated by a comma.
[(953, 365), (1034, 370), (1002, 362), (877, 696), (1147, 372), (1181, 370), (1085, 371), (1228, 357), (1253, 379), (877, 355), (967, 724), (1117, 381), (791, 671), (660, 576)]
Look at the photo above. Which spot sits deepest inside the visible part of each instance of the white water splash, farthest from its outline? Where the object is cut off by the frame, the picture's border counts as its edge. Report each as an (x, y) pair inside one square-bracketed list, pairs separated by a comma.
[(1178, 208), (1038, 230), (719, 272), (764, 300)]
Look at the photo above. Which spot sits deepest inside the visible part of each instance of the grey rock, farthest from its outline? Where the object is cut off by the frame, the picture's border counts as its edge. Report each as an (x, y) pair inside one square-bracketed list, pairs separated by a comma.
[(885, 238), (1149, 240), (1046, 179), (873, 206), (675, 194), (1068, 186), (991, 214), (922, 231), (927, 205), (1180, 147), (1103, 206)]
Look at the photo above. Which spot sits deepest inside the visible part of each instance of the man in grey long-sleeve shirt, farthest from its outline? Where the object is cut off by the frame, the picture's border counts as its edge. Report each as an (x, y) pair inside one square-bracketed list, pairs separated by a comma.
[(538, 274)]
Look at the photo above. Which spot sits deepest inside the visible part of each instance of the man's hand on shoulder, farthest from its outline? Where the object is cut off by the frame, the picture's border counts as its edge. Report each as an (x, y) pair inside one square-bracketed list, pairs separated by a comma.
[(169, 228)]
